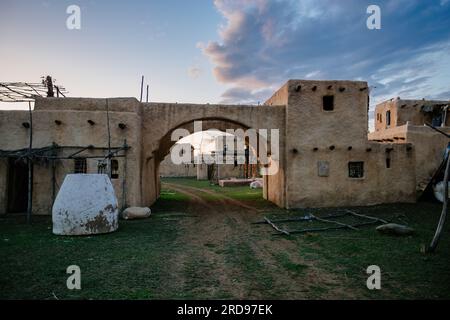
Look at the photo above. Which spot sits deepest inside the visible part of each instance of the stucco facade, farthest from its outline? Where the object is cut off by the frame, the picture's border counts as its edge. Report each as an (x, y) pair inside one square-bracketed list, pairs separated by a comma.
[(407, 119), (326, 158), (334, 136)]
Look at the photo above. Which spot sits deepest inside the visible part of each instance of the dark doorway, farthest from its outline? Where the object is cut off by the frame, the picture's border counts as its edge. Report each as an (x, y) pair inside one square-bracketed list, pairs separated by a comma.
[(17, 185)]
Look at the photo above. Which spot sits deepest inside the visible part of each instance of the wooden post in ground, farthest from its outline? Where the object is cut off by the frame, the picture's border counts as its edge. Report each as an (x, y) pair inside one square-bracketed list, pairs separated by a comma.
[(108, 163), (30, 168)]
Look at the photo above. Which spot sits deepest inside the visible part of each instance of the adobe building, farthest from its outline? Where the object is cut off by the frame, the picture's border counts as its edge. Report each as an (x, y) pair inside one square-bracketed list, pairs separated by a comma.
[(325, 156), (403, 121), (329, 160)]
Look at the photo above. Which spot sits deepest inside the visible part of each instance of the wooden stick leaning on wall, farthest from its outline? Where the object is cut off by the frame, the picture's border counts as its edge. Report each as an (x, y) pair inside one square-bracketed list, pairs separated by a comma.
[(124, 183), (108, 161), (30, 168)]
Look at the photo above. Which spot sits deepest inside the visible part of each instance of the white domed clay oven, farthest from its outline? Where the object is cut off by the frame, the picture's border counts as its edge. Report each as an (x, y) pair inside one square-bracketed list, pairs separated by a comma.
[(85, 204)]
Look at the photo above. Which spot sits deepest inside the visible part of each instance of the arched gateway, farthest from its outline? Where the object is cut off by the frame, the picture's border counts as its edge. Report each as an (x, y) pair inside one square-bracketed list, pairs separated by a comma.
[(168, 117), (322, 142)]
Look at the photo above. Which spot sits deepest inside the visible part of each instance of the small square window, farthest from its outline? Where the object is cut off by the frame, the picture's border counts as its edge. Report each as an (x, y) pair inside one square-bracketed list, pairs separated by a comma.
[(80, 165), (114, 169), (328, 103), (356, 169)]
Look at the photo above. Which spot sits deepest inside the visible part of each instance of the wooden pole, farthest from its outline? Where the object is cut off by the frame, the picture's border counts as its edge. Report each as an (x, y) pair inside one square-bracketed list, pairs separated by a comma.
[(49, 82), (275, 227), (30, 168), (440, 226), (142, 87), (367, 217), (109, 141), (53, 181), (327, 228), (335, 222), (124, 183), (54, 153), (304, 218), (146, 100)]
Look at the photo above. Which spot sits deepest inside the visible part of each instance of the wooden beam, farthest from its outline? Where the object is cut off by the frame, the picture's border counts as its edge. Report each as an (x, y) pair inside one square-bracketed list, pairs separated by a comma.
[(30, 168), (275, 227), (367, 217), (335, 222)]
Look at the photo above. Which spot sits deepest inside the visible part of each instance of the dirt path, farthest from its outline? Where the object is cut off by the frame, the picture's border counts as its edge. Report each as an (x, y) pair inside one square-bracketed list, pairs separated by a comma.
[(235, 259), (224, 198), (206, 236)]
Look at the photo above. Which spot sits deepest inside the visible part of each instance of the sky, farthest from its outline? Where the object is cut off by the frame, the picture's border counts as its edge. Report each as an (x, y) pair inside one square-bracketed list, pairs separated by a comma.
[(227, 51)]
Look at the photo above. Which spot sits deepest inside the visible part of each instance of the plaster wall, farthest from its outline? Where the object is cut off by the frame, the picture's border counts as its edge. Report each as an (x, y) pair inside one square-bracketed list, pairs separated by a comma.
[(314, 134), (74, 130), (429, 148)]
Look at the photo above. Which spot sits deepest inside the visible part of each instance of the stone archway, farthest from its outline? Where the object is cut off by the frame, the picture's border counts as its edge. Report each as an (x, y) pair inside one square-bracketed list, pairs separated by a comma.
[(152, 162), (159, 120)]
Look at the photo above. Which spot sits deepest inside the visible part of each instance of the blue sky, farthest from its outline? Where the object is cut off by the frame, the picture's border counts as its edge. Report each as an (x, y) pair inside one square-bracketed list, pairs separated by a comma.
[(227, 50)]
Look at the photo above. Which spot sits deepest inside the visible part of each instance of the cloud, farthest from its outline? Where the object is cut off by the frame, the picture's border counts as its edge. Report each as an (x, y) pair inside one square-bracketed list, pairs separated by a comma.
[(245, 95), (194, 72), (265, 42), (425, 74)]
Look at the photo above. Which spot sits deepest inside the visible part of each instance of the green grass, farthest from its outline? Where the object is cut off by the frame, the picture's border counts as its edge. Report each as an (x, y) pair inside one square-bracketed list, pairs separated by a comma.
[(151, 259), (406, 271), (125, 264), (241, 193), (240, 255), (284, 260)]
